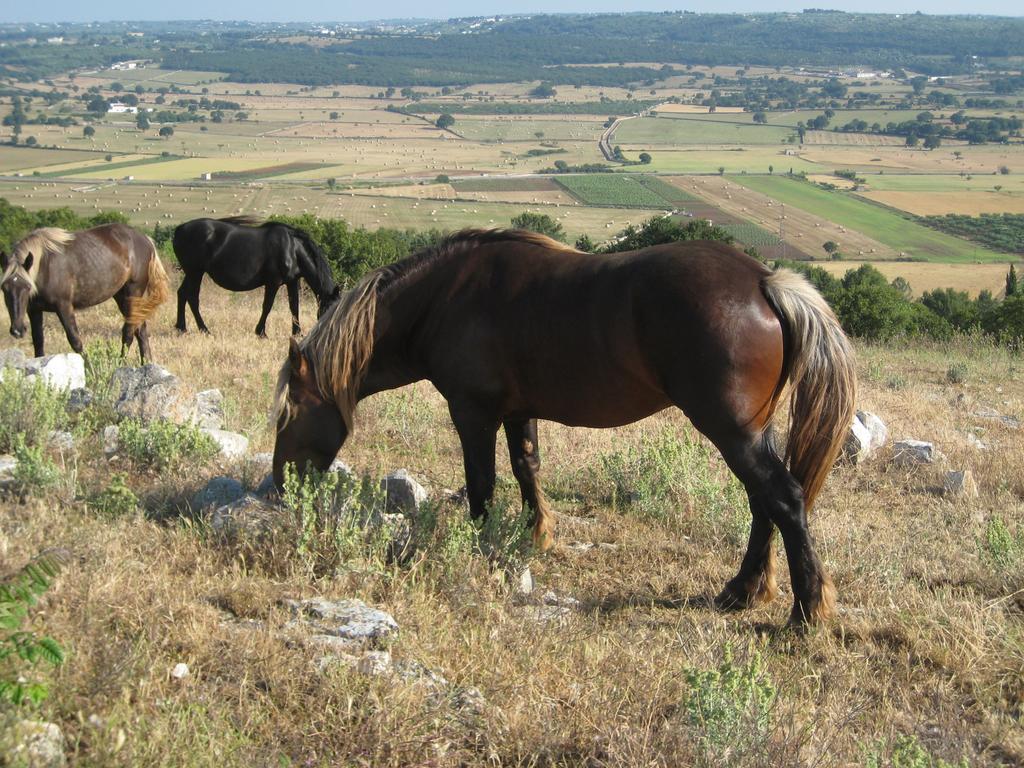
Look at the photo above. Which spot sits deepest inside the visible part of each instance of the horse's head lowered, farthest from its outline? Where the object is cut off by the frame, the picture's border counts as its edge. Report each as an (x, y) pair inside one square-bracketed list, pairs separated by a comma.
[(18, 287), (310, 428)]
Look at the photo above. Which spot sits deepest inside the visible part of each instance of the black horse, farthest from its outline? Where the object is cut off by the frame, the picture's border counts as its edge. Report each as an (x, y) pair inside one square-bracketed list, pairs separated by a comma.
[(241, 254)]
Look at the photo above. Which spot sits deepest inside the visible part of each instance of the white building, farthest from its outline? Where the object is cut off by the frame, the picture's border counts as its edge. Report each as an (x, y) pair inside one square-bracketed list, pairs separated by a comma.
[(118, 108)]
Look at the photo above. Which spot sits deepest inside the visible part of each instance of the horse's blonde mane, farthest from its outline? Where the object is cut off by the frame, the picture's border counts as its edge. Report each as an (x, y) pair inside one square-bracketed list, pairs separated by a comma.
[(338, 348), (40, 243)]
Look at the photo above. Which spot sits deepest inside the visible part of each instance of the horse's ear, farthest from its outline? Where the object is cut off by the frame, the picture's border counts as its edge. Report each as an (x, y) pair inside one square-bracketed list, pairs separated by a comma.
[(298, 361), (28, 262)]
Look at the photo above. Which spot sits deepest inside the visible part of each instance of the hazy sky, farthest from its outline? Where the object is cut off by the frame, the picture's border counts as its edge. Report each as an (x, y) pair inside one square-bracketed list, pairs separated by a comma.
[(325, 10)]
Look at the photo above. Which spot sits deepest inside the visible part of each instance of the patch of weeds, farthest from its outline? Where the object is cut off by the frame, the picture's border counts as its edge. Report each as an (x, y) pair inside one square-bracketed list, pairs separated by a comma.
[(29, 410), (116, 500), (22, 649), (678, 478), (35, 471), (161, 444), (999, 546), (956, 373), (332, 519), (897, 382), (905, 752), (102, 358), (730, 708)]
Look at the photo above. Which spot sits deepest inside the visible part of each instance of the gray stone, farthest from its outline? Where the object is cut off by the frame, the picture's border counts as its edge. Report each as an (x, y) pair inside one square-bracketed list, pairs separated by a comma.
[(960, 483), (208, 409), (79, 399), (149, 392), (62, 440), (992, 414), (402, 493), (65, 371), (35, 744), (231, 444), (12, 357), (8, 464), (111, 443), (548, 614), (217, 493), (247, 518), (375, 664), (909, 453), (348, 619), (975, 442), (524, 583), (564, 601), (340, 467), (260, 462), (397, 530)]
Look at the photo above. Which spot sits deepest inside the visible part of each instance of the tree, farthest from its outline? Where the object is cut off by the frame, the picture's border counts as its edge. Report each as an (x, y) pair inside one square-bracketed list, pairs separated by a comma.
[(445, 121), (1011, 282), (760, 118), (116, 87), (539, 222), (544, 91), (335, 115), (585, 244), (721, 170), (142, 122), (539, 134), (140, 89), (932, 142), (645, 158), (98, 105), (31, 141), (166, 131), (88, 131), (241, 116), (441, 178), (332, 183), (771, 169), (912, 140), (831, 248)]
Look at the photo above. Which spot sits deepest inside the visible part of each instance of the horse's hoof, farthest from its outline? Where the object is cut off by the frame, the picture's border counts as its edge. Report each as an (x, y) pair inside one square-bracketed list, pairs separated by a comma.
[(262, 335), (731, 600)]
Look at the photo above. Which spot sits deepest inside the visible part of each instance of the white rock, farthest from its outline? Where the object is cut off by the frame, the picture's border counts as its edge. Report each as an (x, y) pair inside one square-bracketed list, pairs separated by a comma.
[(180, 671), (975, 442), (208, 409), (62, 440), (857, 446), (111, 443), (909, 453), (231, 444), (524, 584), (402, 493), (34, 744), (960, 483), (879, 432), (7, 466), (149, 392), (347, 619), (65, 371), (375, 663)]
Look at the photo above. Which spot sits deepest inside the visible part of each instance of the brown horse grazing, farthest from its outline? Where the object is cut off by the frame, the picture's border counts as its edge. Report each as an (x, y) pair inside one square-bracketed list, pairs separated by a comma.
[(53, 270), (512, 327)]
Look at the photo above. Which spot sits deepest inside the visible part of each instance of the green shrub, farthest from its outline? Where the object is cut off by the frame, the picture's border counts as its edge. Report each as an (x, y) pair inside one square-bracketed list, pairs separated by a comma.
[(29, 410), (116, 500), (956, 373), (161, 444), (730, 709), (35, 471), (669, 475), (999, 546), (905, 752), (21, 649)]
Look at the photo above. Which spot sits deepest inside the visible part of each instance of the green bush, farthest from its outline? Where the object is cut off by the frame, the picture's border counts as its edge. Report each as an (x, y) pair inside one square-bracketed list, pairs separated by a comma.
[(730, 708), (999, 547), (956, 373), (905, 752), (116, 500), (161, 444), (22, 649), (35, 471), (29, 410)]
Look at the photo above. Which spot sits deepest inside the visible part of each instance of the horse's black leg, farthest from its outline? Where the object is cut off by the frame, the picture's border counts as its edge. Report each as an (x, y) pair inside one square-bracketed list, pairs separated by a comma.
[(190, 289), (35, 318), (524, 453), (183, 293), (293, 305), (755, 583), (269, 294), (776, 495), (478, 432), (123, 302), (67, 318)]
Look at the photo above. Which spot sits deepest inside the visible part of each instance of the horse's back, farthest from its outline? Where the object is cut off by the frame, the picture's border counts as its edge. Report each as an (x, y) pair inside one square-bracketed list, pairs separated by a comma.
[(238, 257)]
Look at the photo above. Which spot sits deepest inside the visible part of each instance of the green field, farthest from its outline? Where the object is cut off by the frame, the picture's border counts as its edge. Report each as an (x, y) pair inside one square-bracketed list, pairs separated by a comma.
[(498, 184), (103, 168), (752, 234), (886, 226), (752, 160), (686, 130), (19, 158), (668, 192), (513, 128), (613, 190), (791, 118)]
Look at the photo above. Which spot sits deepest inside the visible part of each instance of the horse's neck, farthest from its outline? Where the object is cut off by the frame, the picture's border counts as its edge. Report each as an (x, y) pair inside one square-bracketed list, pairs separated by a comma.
[(308, 267)]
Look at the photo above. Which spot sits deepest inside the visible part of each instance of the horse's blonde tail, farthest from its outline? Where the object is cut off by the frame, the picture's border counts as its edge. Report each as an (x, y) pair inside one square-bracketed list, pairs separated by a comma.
[(822, 377), (157, 291)]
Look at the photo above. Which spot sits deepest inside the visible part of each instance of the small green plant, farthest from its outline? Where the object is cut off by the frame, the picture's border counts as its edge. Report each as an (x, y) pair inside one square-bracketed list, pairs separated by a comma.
[(22, 649), (34, 471), (956, 373), (999, 546), (116, 500), (730, 708), (333, 520), (905, 752), (29, 410), (161, 444)]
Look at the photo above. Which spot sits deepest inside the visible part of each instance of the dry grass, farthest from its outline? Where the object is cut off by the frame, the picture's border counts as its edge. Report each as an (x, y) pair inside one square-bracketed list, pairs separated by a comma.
[(928, 643), (971, 203)]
